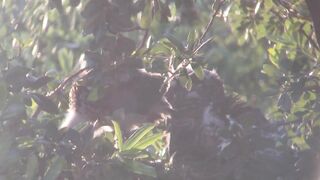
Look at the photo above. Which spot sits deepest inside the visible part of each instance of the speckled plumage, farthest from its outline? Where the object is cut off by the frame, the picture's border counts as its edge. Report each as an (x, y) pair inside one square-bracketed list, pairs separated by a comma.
[(79, 109)]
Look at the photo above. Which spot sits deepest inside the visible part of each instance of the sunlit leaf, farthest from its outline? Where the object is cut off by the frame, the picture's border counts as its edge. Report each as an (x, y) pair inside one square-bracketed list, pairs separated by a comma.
[(256, 9), (118, 135), (137, 136), (198, 71), (273, 56), (148, 141), (134, 154), (160, 48), (191, 39), (45, 22), (269, 70)]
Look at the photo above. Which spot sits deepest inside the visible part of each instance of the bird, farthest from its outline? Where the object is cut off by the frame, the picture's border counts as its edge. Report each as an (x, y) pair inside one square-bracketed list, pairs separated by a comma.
[(134, 91), (80, 109)]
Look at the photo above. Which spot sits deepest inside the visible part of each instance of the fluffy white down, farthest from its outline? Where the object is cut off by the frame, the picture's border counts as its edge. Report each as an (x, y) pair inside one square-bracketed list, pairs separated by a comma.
[(72, 119), (209, 118)]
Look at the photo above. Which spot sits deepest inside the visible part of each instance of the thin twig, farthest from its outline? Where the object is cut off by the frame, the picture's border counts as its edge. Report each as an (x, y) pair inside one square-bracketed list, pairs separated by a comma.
[(66, 81), (202, 45), (173, 74), (214, 14), (292, 11), (309, 38), (143, 42)]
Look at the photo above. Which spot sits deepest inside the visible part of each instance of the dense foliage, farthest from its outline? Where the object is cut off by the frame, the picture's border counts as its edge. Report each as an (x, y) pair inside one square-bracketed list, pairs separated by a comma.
[(266, 51)]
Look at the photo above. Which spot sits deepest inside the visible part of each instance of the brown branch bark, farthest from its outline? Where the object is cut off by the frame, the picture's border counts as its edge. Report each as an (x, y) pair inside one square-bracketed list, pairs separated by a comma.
[(314, 6)]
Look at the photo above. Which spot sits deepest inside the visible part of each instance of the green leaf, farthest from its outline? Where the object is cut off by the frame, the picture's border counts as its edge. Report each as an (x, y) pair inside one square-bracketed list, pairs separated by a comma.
[(160, 48), (191, 39), (269, 70), (198, 70), (261, 31), (137, 136), (118, 135), (186, 82), (146, 15), (140, 168), (148, 141), (65, 60), (130, 154), (55, 168), (167, 43), (273, 56)]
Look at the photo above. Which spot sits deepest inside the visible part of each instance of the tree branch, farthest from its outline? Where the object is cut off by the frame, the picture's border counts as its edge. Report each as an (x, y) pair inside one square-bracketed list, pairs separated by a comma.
[(58, 89), (214, 14), (66, 81)]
